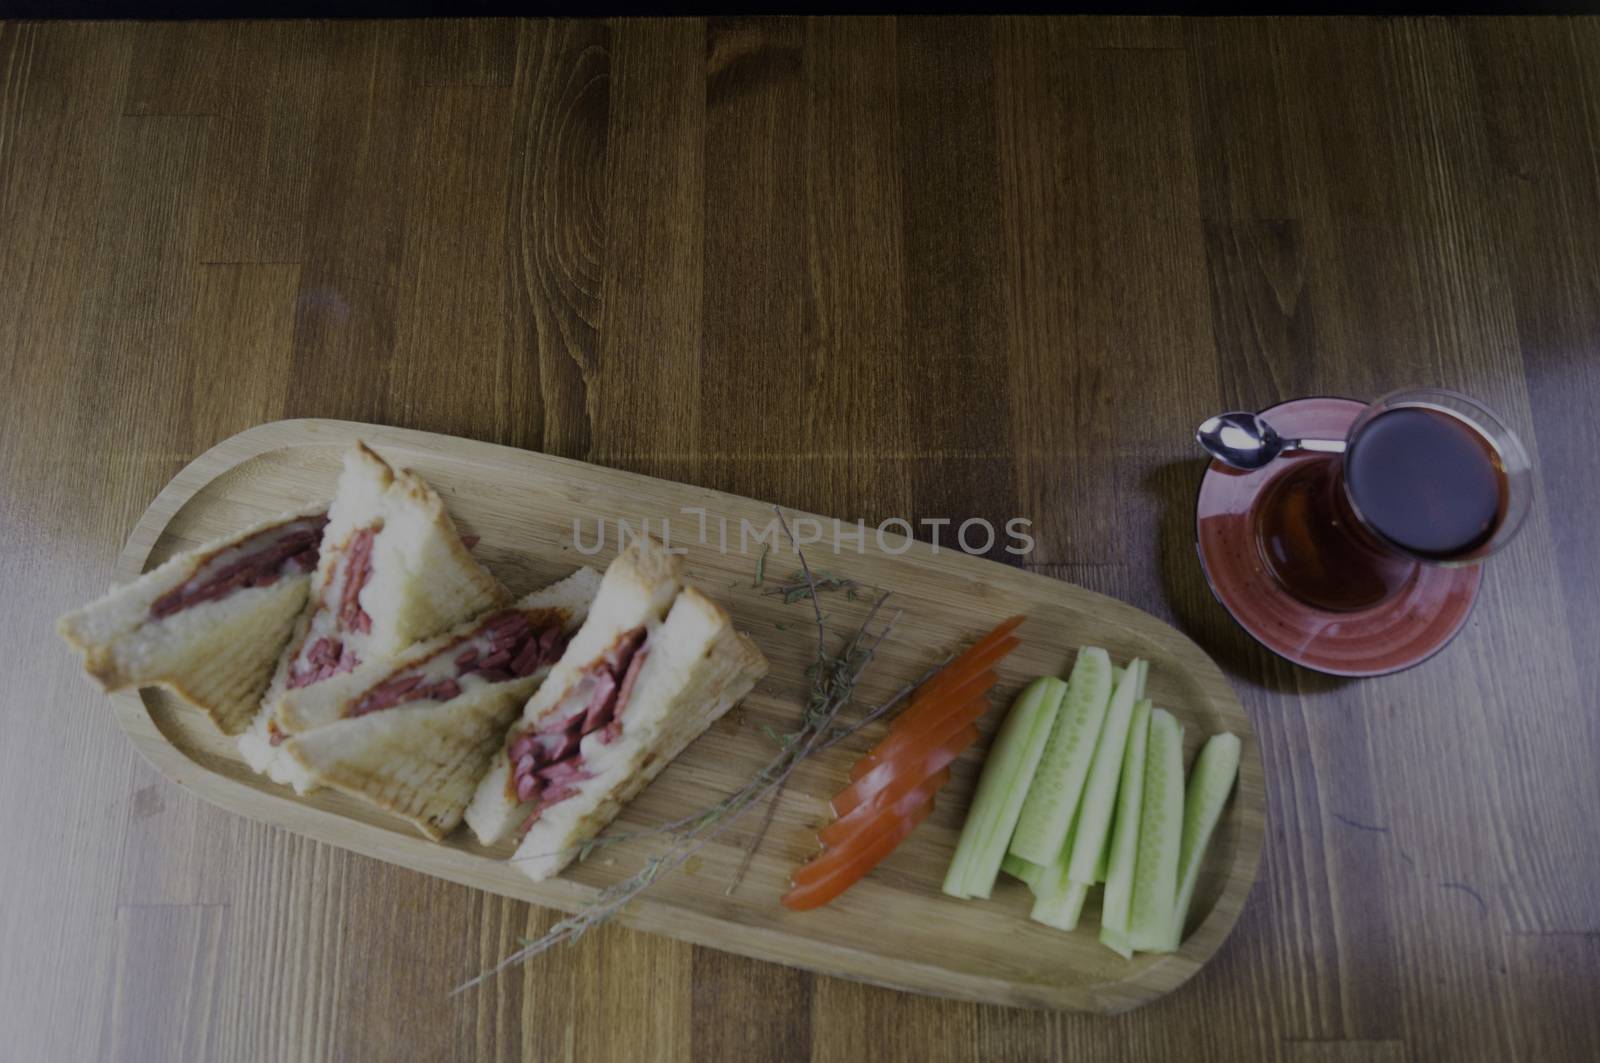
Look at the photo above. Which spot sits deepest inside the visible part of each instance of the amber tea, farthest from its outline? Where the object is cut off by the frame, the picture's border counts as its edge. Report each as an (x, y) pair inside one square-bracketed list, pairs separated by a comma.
[(1415, 483)]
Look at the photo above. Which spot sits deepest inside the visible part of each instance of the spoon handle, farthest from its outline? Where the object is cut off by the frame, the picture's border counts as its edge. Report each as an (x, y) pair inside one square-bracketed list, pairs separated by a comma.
[(1318, 446)]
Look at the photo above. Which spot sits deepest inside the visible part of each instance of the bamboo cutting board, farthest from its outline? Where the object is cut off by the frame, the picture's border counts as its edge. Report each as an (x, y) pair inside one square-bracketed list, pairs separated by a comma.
[(538, 518)]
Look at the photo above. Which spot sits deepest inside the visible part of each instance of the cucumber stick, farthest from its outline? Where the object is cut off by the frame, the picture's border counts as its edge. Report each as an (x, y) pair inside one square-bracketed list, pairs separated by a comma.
[(1155, 876), (1210, 782), (1058, 901), (1017, 867), (1100, 790), (1102, 866), (1118, 673), (1058, 784), (1125, 836), (1007, 772)]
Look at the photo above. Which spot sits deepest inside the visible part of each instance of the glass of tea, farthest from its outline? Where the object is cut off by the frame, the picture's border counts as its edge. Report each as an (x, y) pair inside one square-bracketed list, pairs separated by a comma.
[(1427, 477)]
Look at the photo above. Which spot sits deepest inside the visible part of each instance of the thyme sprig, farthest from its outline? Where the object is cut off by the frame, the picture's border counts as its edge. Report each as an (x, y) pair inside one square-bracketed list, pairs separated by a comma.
[(799, 589), (833, 683)]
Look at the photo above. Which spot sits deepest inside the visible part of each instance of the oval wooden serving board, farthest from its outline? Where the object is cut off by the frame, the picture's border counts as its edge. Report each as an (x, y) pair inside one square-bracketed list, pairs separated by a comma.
[(533, 513)]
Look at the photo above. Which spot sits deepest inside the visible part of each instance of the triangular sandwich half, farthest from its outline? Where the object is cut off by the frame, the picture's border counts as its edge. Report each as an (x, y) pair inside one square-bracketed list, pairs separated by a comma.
[(393, 570), (616, 710), (635, 594), (209, 623)]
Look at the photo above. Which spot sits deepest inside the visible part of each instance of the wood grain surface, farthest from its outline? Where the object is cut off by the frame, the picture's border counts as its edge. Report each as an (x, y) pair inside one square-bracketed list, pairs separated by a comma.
[(931, 269)]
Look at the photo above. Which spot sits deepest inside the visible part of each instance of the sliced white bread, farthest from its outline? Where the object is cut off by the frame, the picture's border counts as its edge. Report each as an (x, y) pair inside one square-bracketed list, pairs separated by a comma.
[(698, 668), (421, 581), (261, 746), (215, 655), (328, 702), (637, 590), (422, 760), (419, 761), (564, 603)]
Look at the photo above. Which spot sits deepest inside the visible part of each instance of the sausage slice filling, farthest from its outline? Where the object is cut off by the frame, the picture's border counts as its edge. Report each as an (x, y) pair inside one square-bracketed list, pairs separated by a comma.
[(510, 644), (547, 762), (258, 561)]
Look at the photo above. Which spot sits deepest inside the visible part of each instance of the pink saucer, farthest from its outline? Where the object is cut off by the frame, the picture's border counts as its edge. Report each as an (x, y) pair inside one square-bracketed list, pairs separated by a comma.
[(1407, 629)]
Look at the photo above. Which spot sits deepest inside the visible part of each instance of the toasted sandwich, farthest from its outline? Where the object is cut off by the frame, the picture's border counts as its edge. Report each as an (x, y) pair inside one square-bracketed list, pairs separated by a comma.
[(415, 734), (654, 666), (392, 571), (209, 623)]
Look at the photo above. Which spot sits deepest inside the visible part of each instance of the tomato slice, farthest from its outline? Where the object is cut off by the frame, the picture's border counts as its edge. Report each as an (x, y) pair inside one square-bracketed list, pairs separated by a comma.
[(935, 719), (872, 827), (956, 675), (911, 759), (858, 805), (923, 705), (908, 751), (976, 660), (968, 673), (806, 896), (1000, 631), (837, 870), (893, 787)]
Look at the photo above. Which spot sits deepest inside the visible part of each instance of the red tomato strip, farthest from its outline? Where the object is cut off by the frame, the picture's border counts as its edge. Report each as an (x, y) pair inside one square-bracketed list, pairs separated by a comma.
[(829, 860), (933, 719), (1001, 630), (824, 879), (858, 804), (893, 787), (907, 755), (956, 675), (912, 760)]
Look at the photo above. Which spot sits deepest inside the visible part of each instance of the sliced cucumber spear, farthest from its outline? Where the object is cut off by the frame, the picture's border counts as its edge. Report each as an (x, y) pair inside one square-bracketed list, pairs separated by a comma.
[(1100, 790), (1058, 784), (1102, 866), (1155, 877), (1117, 904), (1210, 782), (1017, 867), (1007, 773), (1058, 901)]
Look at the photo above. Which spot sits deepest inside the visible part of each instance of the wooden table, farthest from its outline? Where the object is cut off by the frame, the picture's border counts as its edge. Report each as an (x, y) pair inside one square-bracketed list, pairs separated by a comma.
[(916, 268)]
